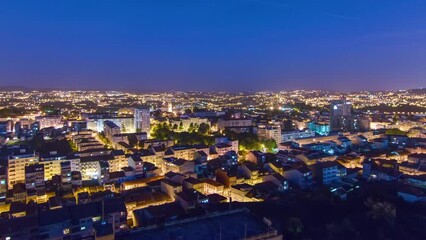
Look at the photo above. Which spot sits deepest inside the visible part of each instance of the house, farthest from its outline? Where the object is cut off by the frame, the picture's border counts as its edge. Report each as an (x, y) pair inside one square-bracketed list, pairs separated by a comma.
[(300, 176), (256, 157), (193, 183), (242, 193), (190, 198), (158, 214), (381, 169), (170, 188), (251, 171), (264, 189), (178, 165), (326, 172), (279, 180), (211, 186)]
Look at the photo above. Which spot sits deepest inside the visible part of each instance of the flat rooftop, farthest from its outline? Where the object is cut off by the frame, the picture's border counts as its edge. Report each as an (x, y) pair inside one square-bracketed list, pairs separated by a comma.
[(234, 224)]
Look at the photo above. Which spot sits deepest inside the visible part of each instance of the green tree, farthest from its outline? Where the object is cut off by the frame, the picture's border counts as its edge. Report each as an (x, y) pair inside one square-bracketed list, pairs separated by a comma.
[(395, 131), (161, 132), (133, 140), (204, 128), (270, 144)]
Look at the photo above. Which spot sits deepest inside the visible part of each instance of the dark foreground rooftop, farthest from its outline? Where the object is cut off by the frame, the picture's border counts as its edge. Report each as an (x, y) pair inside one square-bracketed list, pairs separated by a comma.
[(234, 224)]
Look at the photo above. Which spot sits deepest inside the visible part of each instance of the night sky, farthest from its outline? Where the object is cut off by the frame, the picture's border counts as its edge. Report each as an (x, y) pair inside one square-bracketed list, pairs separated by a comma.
[(213, 45)]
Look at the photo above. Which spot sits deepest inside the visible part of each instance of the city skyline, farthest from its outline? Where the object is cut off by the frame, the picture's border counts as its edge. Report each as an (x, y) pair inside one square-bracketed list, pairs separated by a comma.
[(231, 46)]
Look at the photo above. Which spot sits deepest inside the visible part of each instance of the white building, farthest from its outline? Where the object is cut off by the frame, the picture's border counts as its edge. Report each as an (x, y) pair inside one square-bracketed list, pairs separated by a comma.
[(270, 132), (50, 121)]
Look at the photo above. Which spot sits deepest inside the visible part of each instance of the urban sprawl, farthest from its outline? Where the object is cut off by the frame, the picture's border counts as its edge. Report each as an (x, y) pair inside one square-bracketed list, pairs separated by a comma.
[(99, 164)]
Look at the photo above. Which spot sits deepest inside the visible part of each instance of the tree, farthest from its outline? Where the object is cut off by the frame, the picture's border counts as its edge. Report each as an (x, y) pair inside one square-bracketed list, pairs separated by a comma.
[(204, 128), (270, 144), (133, 140), (175, 126), (381, 210), (395, 131), (161, 132), (181, 125)]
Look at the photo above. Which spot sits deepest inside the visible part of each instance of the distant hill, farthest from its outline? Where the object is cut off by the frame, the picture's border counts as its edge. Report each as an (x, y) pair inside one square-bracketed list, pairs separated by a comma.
[(14, 88), (418, 90)]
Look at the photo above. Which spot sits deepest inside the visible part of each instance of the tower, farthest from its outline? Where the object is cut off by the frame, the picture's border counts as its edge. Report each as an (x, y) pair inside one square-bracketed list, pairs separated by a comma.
[(142, 120), (340, 115)]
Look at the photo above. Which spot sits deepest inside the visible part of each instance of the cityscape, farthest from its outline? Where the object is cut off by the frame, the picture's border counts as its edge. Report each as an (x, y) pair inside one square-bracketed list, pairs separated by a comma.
[(212, 120), (146, 165)]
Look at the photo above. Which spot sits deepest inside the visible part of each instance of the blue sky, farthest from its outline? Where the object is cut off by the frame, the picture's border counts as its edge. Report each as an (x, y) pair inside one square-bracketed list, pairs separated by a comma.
[(221, 45)]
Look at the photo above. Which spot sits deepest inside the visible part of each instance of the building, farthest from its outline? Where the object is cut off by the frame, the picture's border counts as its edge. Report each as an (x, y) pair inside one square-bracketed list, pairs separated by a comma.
[(52, 163), (49, 121), (111, 129), (142, 120), (34, 176), (300, 176), (270, 132), (234, 122), (6, 127), (126, 123), (320, 128), (340, 115), (178, 165), (17, 159), (326, 172), (292, 135)]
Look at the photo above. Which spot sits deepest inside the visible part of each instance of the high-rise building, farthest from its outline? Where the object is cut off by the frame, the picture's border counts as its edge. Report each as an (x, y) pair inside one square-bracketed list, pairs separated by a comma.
[(270, 132), (142, 120), (340, 115)]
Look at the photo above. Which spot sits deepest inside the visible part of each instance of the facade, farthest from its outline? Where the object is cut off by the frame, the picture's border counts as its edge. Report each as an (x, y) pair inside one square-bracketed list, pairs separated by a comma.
[(34, 176), (326, 172), (291, 135), (52, 164), (237, 122), (142, 120), (111, 129), (270, 132), (301, 176), (49, 121), (177, 165), (126, 124), (19, 158), (320, 128), (340, 115)]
